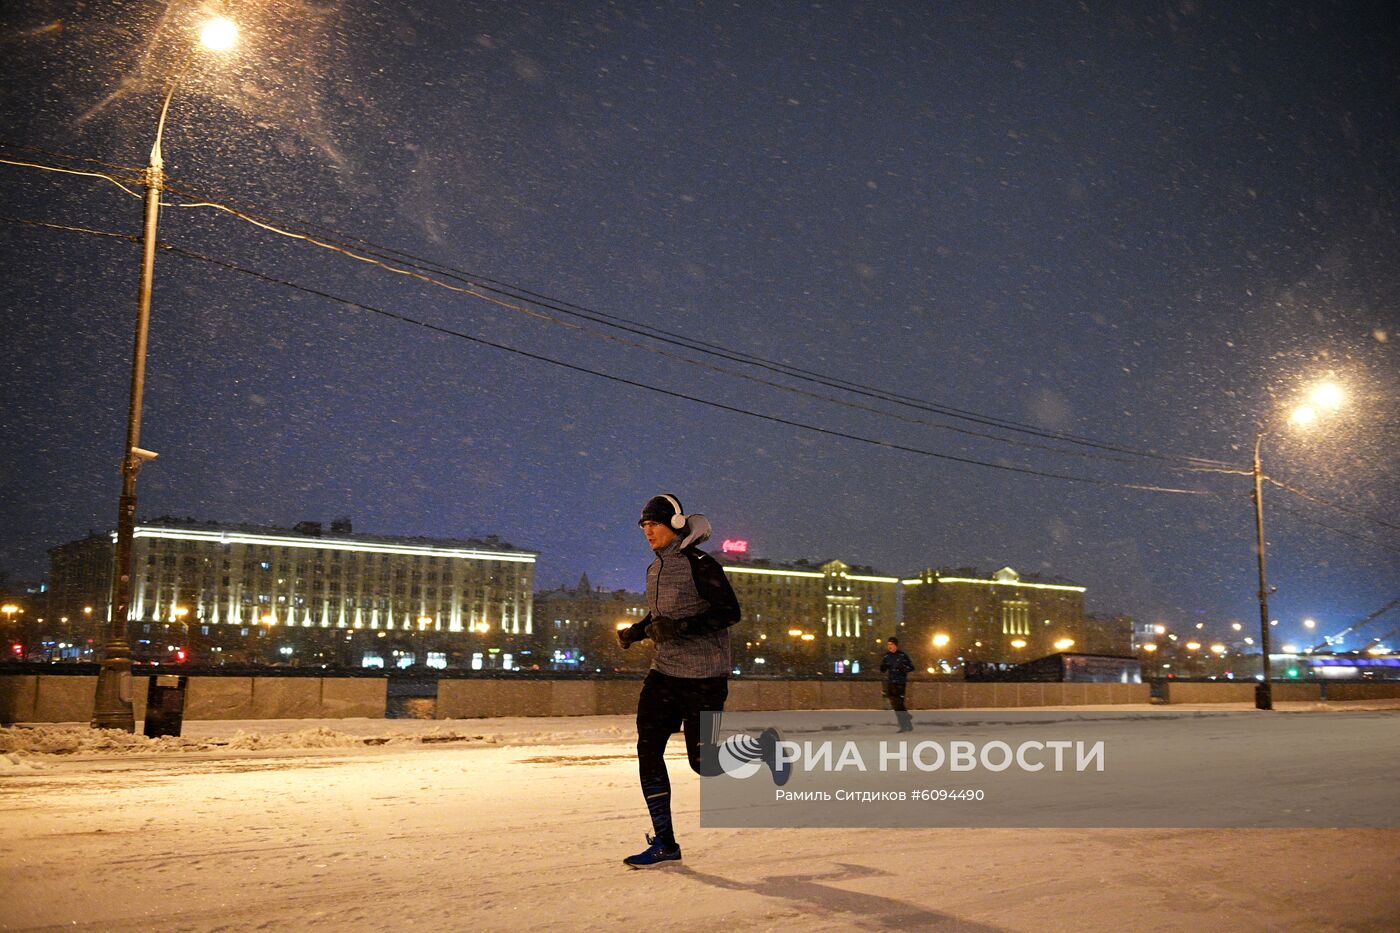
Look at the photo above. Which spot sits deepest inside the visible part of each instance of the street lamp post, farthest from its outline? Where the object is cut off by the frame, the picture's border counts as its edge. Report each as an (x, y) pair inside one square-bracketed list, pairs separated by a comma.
[(112, 704), (1326, 395), (1264, 695)]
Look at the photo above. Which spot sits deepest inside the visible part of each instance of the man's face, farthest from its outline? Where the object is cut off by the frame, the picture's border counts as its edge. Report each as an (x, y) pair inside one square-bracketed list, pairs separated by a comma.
[(658, 535), (891, 647)]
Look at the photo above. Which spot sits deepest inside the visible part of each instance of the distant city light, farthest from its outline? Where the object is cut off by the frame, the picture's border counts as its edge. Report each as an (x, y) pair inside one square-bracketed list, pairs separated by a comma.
[(1303, 416), (1309, 623), (1064, 644), (940, 640)]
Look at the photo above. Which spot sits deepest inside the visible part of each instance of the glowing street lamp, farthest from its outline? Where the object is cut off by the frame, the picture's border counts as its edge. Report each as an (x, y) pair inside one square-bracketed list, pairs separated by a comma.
[(112, 704), (1325, 396), (1018, 643), (1064, 644), (1328, 396), (219, 34), (1310, 624), (940, 640)]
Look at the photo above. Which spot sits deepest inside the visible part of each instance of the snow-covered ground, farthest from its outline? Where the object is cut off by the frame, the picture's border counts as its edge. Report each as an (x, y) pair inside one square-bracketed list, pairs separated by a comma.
[(521, 823)]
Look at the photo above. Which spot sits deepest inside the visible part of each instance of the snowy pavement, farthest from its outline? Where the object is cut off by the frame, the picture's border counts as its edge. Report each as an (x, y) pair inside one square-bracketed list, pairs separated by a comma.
[(521, 823)]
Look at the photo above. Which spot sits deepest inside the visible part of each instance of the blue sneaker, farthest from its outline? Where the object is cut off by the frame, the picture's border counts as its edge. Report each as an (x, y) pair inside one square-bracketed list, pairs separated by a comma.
[(654, 854), (768, 741)]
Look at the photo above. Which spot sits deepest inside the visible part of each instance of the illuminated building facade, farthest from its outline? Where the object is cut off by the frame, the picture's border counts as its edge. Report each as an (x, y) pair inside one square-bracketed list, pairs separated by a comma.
[(803, 617), (577, 628), (236, 594), (961, 615)]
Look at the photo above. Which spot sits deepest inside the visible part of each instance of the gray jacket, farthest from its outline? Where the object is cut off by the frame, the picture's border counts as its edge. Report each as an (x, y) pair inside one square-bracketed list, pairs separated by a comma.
[(688, 586)]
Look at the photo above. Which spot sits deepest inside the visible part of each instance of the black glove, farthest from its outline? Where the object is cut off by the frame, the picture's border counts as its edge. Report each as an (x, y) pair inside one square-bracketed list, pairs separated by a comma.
[(663, 629), (630, 635)]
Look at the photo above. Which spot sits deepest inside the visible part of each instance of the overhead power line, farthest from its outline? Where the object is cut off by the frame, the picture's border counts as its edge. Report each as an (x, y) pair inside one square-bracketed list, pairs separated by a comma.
[(890, 445), (1328, 504), (1362, 623), (375, 254), (775, 419), (1341, 531), (518, 293)]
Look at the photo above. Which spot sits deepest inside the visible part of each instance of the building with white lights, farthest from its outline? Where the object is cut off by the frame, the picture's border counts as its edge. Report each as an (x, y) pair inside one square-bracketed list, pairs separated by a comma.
[(806, 617), (951, 616), (303, 596)]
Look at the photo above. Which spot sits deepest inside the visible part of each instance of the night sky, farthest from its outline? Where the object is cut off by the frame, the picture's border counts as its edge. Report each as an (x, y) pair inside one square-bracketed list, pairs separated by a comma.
[(1149, 224)]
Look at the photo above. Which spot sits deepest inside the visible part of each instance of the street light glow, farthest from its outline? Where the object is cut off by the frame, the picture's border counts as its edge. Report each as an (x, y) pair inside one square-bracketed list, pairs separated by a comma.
[(940, 640), (219, 34), (1018, 643), (1302, 416), (1327, 395), (1309, 623), (1064, 643)]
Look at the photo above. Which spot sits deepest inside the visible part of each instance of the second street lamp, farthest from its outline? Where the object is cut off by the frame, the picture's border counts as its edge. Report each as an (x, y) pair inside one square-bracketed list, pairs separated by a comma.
[(1327, 395), (112, 704)]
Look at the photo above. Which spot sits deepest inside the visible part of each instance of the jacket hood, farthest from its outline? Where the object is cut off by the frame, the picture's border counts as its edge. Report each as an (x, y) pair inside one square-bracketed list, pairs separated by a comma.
[(697, 528)]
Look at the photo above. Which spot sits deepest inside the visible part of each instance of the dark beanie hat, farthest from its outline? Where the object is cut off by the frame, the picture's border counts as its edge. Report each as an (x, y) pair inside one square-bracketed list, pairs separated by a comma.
[(658, 509), (892, 640)]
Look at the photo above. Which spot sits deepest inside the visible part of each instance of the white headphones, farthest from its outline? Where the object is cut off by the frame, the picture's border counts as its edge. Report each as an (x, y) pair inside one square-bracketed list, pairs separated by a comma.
[(677, 520)]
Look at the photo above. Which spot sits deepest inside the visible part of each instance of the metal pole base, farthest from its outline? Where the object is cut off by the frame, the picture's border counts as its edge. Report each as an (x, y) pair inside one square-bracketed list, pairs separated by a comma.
[(112, 705), (1264, 696)]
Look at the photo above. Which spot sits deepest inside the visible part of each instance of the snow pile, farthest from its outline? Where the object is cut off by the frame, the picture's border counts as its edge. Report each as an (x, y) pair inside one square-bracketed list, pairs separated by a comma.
[(11, 762), (17, 743), (69, 740)]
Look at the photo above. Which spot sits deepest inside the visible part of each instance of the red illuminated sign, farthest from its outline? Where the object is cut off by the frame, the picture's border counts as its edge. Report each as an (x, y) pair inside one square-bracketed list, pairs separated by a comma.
[(734, 546)]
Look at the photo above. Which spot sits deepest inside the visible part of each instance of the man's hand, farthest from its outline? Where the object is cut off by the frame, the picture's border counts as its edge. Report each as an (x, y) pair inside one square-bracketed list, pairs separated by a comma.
[(663, 629), (626, 637)]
